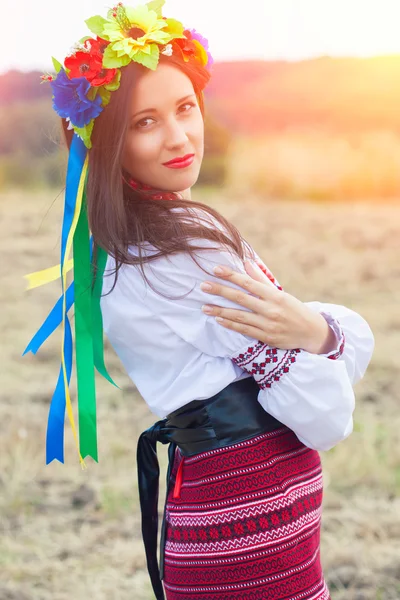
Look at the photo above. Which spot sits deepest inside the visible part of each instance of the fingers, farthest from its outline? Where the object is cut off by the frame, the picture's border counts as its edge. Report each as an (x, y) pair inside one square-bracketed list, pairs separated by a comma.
[(244, 329), (259, 290), (243, 298), (254, 271), (242, 317), (246, 323)]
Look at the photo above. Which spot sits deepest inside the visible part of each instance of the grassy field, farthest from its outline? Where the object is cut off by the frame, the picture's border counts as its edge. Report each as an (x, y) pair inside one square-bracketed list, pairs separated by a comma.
[(317, 164), (67, 533)]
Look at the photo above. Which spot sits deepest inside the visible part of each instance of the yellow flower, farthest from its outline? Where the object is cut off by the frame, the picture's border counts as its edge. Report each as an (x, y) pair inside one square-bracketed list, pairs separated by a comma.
[(135, 34)]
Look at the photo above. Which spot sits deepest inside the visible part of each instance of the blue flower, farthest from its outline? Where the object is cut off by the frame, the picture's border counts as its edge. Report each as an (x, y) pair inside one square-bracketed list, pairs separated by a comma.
[(70, 99)]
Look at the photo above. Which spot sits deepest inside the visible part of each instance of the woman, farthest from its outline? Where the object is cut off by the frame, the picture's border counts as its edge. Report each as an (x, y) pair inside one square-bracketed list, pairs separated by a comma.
[(245, 405)]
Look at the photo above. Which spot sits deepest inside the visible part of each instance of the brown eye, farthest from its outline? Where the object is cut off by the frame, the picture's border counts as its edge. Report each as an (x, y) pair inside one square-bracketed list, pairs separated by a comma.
[(142, 121), (190, 104)]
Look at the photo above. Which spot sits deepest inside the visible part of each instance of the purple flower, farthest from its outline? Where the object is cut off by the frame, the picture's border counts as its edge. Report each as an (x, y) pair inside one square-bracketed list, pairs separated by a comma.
[(204, 42), (70, 99)]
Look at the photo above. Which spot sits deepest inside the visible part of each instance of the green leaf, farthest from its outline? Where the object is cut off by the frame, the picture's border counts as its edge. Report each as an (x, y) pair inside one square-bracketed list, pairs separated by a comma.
[(112, 61), (156, 5), (105, 95), (148, 60), (96, 24), (114, 84), (85, 133), (92, 93), (175, 28), (56, 64), (87, 37)]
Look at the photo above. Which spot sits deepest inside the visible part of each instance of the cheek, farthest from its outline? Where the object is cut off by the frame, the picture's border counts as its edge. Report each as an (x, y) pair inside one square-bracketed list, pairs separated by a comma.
[(198, 133), (139, 149)]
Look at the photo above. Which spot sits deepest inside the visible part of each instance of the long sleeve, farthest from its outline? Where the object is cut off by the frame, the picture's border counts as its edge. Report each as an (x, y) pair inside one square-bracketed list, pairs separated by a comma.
[(311, 394), (355, 341), (333, 421), (356, 336)]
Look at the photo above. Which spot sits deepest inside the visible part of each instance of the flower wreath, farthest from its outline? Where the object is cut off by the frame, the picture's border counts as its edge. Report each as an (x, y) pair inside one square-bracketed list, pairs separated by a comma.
[(92, 70), (82, 89)]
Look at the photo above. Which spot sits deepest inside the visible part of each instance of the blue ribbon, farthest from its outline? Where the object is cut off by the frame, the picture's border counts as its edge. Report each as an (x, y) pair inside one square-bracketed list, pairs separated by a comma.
[(56, 418), (51, 323), (53, 320), (55, 424), (77, 155)]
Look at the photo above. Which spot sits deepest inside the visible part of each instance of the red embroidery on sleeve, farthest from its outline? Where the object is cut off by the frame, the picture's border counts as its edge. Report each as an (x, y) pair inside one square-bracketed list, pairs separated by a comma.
[(268, 273), (262, 362)]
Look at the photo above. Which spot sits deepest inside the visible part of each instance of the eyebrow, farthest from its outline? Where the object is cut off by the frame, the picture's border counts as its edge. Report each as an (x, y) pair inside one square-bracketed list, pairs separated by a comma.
[(152, 110)]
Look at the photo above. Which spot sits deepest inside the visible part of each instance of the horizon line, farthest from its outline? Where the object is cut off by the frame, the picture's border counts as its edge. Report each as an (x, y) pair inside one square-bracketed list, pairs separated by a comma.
[(26, 70)]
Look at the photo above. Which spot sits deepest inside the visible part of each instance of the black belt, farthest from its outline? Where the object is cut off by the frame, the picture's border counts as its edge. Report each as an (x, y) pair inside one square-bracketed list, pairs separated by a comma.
[(231, 416)]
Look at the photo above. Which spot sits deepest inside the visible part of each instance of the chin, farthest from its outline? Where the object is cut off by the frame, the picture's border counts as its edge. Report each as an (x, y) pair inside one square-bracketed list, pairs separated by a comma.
[(177, 184)]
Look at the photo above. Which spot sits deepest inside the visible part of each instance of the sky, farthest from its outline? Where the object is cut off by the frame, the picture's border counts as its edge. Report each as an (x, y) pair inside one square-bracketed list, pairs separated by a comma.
[(254, 29)]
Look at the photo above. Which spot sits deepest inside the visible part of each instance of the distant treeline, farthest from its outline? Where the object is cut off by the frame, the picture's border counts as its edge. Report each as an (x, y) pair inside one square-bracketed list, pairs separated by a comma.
[(31, 150), (340, 97), (16, 86), (257, 97)]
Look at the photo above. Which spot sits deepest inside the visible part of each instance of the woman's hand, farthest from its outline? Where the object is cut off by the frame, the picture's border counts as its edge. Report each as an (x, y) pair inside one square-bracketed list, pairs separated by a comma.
[(276, 318)]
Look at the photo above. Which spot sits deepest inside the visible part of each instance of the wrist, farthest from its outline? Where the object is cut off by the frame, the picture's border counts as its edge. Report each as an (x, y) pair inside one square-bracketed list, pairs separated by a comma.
[(330, 342), (323, 339)]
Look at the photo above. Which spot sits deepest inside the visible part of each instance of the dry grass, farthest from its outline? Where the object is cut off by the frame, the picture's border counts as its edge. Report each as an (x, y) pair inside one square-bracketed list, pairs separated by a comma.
[(315, 164), (71, 533)]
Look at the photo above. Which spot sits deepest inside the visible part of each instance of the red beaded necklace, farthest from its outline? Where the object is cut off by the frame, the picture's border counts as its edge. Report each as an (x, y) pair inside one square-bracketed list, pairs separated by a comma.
[(150, 193)]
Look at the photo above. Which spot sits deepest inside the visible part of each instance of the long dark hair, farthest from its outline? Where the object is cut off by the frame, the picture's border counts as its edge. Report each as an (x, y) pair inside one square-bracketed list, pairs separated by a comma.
[(119, 216)]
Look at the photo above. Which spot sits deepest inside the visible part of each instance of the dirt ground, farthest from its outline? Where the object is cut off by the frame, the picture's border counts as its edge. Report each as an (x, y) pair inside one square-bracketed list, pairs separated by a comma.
[(67, 533)]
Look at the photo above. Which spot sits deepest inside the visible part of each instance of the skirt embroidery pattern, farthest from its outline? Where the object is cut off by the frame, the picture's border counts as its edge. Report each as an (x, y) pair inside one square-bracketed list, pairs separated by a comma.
[(247, 523)]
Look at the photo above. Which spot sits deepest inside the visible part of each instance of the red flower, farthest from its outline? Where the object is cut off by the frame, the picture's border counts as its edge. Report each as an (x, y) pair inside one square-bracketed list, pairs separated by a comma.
[(101, 44), (186, 46), (89, 64)]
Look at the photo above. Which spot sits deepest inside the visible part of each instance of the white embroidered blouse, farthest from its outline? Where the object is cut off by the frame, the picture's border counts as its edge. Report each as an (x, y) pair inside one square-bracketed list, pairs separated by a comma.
[(174, 353)]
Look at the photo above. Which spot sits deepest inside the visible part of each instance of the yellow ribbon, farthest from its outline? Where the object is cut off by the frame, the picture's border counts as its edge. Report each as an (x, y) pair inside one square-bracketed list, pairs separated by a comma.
[(46, 275), (78, 206)]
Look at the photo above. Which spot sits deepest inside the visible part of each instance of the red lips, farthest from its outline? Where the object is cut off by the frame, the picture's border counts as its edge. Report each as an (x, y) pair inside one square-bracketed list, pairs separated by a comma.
[(178, 160)]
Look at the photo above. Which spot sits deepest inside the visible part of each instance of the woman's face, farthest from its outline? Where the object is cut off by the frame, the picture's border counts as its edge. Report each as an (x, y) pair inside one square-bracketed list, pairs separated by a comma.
[(165, 122)]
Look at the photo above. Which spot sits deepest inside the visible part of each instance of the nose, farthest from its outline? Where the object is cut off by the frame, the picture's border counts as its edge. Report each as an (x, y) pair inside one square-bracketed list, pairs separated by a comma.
[(176, 135)]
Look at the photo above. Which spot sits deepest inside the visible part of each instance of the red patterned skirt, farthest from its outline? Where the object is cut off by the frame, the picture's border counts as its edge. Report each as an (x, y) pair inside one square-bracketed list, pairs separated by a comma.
[(246, 524)]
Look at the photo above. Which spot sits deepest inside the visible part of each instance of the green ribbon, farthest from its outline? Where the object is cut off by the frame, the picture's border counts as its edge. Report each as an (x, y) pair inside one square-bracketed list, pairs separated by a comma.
[(97, 319), (83, 338), (88, 332)]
